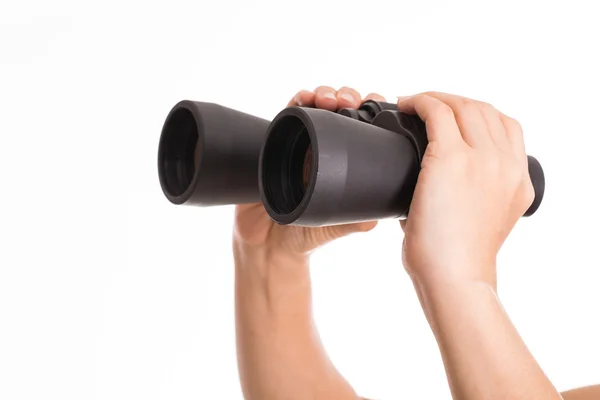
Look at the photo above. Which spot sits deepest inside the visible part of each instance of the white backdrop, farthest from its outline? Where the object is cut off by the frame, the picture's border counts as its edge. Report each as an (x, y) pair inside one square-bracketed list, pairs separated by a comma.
[(107, 291)]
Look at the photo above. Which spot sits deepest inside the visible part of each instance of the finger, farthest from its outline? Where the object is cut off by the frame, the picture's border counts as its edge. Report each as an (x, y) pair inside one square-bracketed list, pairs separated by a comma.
[(469, 119), (326, 98), (348, 98), (492, 118), (439, 119), (375, 97), (303, 98), (321, 236), (339, 231), (514, 136)]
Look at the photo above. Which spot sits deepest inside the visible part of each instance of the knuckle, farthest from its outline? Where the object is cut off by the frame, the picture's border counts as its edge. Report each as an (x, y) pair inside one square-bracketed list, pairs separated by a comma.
[(433, 149), (513, 125), (465, 102), (487, 107), (442, 110), (468, 106), (431, 93)]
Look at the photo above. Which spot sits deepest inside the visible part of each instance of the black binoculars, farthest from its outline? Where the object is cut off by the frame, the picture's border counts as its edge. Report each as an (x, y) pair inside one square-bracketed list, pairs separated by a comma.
[(308, 167)]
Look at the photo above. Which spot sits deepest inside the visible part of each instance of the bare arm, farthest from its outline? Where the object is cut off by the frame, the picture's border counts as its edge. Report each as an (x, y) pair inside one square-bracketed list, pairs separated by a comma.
[(473, 187), (484, 356), (280, 355), (585, 393)]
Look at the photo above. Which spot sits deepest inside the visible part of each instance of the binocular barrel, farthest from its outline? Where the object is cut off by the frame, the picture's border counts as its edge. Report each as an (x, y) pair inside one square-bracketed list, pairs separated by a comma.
[(208, 155), (308, 166)]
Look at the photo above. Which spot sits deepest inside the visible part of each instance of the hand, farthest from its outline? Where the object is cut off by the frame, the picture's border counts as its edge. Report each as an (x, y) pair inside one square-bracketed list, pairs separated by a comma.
[(253, 225), (473, 187)]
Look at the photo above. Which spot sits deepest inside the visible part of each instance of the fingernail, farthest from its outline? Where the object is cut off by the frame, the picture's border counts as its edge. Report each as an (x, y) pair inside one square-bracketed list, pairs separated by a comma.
[(402, 97), (348, 97), (298, 100), (329, 95)]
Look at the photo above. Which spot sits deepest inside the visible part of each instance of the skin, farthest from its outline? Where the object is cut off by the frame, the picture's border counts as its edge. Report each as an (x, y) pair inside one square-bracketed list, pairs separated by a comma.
[(472, 189)]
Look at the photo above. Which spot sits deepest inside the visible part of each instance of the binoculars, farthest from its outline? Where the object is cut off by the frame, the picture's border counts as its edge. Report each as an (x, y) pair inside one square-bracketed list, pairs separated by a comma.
[(308, 166)]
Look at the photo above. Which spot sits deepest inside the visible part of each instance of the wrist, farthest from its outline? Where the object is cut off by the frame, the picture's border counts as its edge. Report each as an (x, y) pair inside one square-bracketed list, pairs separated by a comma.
[(276, 278), (265, 258), (442, 295), (438, 274), (436, 290)]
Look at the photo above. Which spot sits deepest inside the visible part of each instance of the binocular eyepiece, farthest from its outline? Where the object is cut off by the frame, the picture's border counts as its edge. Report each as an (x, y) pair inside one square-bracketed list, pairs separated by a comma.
[(308, 166)]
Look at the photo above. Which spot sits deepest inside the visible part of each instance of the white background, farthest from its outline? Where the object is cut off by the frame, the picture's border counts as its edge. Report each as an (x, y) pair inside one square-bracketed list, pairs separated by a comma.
[(107, 291)]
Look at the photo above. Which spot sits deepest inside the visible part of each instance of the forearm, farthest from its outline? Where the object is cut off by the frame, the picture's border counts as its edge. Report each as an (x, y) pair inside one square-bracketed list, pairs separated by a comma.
[(484, 356), (584, 393), (280, 355)]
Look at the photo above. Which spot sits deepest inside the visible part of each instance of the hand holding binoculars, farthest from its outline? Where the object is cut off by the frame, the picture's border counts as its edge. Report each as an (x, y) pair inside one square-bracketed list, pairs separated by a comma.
[(308, 166)]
